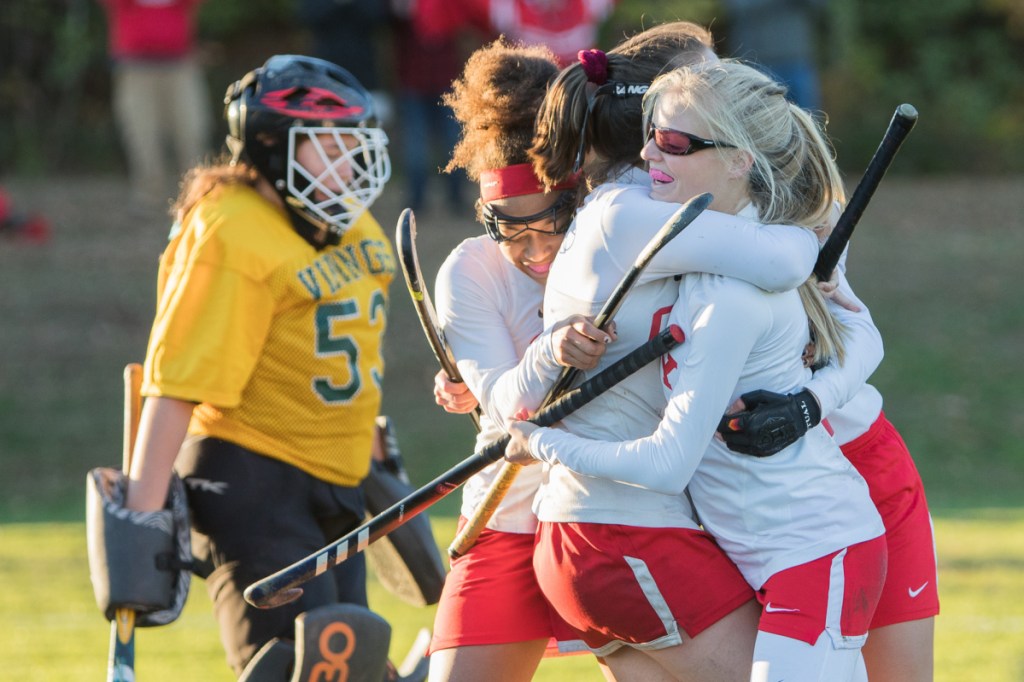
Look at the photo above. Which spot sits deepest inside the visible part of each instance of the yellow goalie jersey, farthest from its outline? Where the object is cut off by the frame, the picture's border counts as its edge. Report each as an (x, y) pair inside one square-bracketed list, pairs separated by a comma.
[(279, 344)]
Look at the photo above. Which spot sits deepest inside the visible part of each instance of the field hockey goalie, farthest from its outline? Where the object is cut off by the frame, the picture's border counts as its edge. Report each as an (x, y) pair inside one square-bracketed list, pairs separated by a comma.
[(137, 560)]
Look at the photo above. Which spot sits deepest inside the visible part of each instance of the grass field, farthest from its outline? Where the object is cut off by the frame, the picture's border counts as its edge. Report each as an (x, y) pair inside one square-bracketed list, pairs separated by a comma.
[(935, 259), (53, 631)]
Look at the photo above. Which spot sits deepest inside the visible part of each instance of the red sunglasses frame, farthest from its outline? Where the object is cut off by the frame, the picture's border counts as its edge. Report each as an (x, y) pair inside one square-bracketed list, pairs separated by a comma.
[(694, 143)]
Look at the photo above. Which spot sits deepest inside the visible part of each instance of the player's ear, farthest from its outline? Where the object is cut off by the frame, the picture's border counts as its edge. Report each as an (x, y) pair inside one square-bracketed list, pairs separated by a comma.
[(740, 163)]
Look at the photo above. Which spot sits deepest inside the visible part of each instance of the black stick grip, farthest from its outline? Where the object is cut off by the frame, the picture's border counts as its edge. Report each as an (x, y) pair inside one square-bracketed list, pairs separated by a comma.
[(899, 127), (405, 239), (282, 587), (595, 386)]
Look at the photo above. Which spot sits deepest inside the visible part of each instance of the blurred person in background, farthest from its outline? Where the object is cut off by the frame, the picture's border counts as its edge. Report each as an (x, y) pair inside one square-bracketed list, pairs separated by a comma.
[(425, 69), (781, 37), (563, 26), (20, 226), (346, 33), (159, 92)]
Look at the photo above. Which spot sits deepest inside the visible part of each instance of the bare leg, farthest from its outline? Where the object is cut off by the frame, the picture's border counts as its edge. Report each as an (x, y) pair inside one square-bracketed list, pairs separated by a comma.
[(632, 665), (514, 662), (724, 652), (902, 652), (609, 676)]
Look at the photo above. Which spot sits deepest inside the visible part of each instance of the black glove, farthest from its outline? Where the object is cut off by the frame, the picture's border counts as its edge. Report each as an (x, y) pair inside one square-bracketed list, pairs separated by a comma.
[(771, 422)]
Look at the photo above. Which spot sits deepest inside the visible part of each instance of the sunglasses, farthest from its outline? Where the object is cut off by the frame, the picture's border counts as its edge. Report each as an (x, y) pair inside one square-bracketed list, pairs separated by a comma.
[(678, 143), (494, 220)]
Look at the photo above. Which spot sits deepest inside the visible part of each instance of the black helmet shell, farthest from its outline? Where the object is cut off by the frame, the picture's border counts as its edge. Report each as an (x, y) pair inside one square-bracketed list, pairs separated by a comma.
[(287, 91)]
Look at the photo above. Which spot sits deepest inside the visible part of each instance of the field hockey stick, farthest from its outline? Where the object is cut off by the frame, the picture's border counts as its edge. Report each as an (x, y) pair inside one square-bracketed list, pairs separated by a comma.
[(507, 474), (405, 238), (282, 587), (121, 663), (899, 127)]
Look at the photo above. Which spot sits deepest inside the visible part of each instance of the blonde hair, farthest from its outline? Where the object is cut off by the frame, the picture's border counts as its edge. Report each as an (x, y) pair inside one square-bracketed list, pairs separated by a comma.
[(793, 178)]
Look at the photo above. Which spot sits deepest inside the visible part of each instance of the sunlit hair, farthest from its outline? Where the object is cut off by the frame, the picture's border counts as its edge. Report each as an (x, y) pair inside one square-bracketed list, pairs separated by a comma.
[(793, 178), (495, 101), (200, 180), (613, 128)]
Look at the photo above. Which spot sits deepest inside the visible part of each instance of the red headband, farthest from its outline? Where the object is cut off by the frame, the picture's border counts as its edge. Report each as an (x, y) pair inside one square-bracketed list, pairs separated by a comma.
[(514, 181)]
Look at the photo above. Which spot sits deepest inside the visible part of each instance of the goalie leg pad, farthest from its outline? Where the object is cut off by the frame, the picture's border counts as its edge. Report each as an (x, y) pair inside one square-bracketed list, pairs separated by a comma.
[(272, 663), (341, 642), (137, 560), (407, 561)]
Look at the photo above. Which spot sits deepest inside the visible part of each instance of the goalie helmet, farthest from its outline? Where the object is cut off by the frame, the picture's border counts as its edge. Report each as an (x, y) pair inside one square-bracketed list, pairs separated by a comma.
[(291, 99)]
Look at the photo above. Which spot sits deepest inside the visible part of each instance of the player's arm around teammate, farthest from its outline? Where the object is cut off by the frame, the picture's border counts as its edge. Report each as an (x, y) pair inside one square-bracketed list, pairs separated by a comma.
[(802, 517), (485, 364)]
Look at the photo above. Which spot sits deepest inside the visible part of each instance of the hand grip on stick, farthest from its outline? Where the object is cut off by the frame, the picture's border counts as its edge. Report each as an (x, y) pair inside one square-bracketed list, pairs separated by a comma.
[(121, 662), (902, 123)]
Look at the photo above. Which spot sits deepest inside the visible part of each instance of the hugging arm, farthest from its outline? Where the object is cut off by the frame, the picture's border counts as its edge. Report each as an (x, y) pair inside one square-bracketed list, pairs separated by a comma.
[(710, 363), (771, 257), (770, 421)]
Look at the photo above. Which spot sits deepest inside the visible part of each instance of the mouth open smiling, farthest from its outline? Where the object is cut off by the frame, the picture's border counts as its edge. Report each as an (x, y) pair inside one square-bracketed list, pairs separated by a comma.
[(660, 176)]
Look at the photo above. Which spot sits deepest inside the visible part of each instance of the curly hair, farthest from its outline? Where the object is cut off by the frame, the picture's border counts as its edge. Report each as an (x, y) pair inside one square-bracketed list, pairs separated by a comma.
[(495, 101)]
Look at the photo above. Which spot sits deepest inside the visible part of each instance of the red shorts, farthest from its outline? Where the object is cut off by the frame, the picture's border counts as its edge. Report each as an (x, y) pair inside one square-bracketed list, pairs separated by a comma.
[(911, 586), (640, 586), (491, 596), (837, 593)]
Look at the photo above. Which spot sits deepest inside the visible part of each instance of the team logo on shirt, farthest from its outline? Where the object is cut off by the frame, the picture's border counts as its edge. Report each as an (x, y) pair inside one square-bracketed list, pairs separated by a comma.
[(341, 265)]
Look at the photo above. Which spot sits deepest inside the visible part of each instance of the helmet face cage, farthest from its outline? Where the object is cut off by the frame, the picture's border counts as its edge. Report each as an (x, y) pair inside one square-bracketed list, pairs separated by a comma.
[(344, 183), (293, 98)]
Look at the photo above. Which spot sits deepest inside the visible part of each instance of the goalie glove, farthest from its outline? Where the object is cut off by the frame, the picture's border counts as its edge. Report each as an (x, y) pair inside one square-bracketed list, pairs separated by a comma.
[(137, 560), (771, 422)]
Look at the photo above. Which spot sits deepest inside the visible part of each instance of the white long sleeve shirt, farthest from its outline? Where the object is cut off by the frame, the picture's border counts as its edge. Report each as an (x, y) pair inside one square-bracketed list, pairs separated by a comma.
[(611, 229), (490, 311), (768, 514)]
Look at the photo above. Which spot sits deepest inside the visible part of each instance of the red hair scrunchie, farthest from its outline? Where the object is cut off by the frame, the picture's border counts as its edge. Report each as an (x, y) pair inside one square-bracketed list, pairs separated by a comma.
[(595, 65)]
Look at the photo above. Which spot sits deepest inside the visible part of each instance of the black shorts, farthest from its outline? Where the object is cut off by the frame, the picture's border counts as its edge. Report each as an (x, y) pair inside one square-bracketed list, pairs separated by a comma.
[(253, 515)]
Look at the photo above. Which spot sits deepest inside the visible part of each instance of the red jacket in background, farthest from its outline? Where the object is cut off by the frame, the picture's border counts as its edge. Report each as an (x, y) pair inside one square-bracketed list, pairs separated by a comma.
[(151, 29), (565, 26)]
